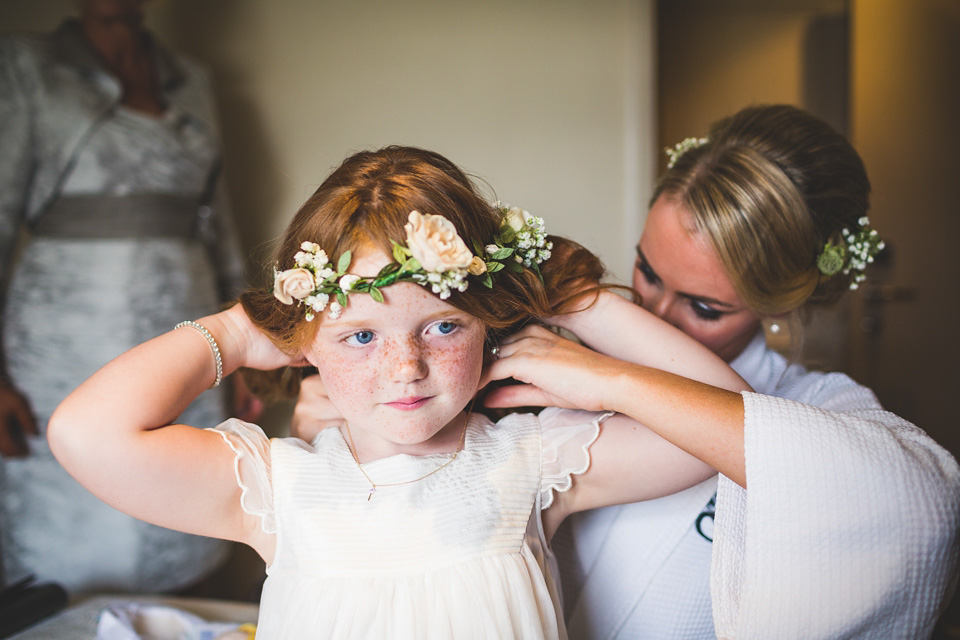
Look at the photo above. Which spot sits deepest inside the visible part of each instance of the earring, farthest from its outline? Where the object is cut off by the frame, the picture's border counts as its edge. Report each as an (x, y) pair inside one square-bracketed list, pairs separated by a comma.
[(776, 329)]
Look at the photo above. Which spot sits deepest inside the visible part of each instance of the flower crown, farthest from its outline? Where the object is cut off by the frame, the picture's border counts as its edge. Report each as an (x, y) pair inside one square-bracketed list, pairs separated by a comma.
[(682, 147), (853, 253), (435, 257)]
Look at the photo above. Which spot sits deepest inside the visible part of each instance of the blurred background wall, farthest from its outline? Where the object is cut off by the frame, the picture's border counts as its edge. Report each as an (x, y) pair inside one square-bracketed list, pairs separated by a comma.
[(550, 101)]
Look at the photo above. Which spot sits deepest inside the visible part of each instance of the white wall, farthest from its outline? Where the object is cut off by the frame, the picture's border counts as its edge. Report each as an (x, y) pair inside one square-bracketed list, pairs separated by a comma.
[(550, 101)]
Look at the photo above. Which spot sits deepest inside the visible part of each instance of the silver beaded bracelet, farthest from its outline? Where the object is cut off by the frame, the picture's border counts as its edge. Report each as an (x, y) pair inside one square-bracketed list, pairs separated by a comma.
[(213, 346)]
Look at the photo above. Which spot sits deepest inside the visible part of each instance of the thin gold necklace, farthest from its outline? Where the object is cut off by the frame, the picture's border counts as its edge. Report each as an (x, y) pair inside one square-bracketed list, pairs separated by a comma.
[(374, 485)]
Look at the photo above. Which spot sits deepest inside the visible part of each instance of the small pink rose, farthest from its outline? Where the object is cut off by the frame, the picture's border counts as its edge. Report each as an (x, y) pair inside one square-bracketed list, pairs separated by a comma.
[(477, 267)]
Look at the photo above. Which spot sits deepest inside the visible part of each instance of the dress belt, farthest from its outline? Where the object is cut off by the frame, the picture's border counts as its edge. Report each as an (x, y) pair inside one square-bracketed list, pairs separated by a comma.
[(133, 216)]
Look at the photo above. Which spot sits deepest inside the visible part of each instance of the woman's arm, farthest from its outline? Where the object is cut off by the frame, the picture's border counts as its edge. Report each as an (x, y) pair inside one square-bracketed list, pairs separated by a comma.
[(114, 432), (659, 377), (629, 462)]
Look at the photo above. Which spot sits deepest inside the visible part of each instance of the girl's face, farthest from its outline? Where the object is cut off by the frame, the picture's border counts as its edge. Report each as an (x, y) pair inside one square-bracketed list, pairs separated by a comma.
[(400, 371), (681, 279)]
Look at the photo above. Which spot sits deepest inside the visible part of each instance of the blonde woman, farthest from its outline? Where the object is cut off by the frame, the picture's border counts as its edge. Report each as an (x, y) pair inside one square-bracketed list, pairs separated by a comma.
[(834, 518)]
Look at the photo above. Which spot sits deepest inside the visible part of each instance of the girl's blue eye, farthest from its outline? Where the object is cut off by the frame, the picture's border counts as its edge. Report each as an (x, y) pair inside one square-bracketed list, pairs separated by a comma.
[(704, 311), (361, 337), (444, 328)]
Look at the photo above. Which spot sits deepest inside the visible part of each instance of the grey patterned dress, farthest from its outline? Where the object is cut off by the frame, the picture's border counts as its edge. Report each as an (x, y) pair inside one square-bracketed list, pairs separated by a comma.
[(74, 301)]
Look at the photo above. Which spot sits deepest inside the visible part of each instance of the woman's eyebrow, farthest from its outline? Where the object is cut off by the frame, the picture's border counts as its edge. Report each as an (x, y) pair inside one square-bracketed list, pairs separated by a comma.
[(643, 259), (688, 296)]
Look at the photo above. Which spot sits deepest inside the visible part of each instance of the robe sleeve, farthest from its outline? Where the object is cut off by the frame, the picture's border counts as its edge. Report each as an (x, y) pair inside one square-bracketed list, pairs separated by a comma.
[(848, 528)]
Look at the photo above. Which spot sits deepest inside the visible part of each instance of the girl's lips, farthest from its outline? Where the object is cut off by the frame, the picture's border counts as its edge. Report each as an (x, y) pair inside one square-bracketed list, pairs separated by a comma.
[(408, 404)]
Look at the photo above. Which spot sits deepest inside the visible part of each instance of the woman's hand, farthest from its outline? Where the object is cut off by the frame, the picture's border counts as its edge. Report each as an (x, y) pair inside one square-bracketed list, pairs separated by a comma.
[(16, 422), (554, 372), (314, 411)]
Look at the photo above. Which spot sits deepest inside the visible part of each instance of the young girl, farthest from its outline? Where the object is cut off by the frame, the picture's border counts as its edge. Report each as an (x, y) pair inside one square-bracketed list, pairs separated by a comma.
[(415, 518)]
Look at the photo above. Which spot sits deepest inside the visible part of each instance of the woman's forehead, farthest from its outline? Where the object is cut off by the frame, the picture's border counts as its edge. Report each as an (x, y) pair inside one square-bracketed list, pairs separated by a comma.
[(681, 256)]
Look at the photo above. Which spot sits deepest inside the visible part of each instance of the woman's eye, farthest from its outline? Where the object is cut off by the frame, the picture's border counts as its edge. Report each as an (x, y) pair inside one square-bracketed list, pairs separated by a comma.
[(647, 272), (704, 311), (443, 328), (360, 338)]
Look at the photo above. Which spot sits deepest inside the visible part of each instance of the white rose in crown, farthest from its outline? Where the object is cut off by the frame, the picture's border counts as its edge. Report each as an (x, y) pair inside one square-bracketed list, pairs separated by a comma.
[(346, 282), (293, 284), (435, 243), (516, 218)]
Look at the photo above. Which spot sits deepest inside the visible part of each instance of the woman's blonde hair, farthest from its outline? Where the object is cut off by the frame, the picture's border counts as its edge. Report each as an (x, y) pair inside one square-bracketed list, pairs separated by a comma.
[(770, 187), (366, 202)]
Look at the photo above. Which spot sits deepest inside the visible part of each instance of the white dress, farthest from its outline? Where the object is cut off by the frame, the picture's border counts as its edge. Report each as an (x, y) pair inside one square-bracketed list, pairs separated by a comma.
[(849, 528), (459, 554)]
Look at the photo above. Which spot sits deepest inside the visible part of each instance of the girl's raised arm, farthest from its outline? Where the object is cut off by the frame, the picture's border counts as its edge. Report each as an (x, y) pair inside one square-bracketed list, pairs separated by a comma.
[(114, 432)]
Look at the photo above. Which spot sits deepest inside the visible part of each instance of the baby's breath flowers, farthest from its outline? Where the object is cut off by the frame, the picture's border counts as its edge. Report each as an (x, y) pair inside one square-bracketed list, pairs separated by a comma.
[(682, 147), (853, 253), (521, 242)]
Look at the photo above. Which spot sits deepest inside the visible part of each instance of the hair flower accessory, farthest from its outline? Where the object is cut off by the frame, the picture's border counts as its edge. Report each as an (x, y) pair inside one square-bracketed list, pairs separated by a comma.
[(435, 257), (522, 237), (682, 147), (854, 252)]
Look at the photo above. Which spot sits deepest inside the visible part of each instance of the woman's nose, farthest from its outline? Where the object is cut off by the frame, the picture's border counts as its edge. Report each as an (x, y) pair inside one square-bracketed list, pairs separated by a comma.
[(656, 303), (663, 306)]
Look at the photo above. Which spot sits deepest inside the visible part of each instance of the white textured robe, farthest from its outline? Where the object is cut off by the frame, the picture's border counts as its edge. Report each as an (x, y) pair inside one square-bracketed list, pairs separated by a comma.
[(850, 529)]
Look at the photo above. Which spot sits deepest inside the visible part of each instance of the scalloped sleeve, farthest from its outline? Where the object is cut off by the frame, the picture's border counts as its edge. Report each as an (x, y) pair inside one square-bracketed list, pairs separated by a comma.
[(566, 436), (251, 449)]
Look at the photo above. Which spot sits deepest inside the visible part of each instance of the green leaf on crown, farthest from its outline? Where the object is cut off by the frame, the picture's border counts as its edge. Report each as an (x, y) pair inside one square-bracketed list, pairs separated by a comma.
[(344, 263)]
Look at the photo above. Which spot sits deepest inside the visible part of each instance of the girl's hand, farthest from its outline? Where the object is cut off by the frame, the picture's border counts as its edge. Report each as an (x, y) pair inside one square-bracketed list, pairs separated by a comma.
[(555, 372), (16, 422), (314, 412), (242, 344)]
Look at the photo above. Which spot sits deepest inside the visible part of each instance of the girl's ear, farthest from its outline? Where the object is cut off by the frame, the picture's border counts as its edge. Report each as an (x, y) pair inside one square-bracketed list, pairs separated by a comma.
[(307, 356)]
